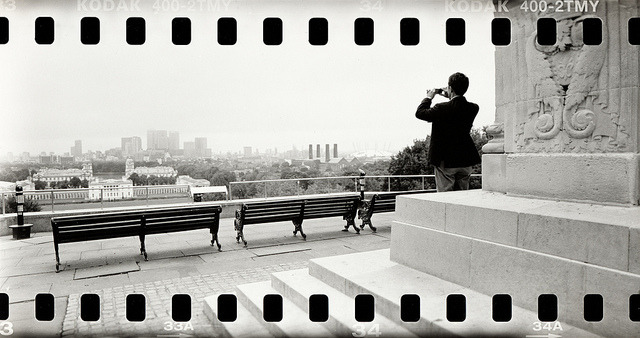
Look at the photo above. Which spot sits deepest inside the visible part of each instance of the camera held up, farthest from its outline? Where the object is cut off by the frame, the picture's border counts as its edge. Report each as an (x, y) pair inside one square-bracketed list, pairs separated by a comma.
[(443, 92)]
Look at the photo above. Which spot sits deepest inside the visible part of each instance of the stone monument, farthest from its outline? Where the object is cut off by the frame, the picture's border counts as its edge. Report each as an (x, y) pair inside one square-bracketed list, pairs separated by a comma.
[(559, 209)]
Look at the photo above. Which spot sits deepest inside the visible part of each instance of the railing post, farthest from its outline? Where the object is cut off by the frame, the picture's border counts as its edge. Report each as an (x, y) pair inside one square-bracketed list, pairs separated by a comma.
[(230, 190), (101, 198), (147, 190), (389, 183), (3, 203), (51, 200), (265, 189), (355, 183), (422, 182)]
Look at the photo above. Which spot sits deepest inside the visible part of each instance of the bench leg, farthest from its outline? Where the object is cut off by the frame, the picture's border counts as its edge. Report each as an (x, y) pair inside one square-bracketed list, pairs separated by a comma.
[(367, 221), (351, 222), (143, 250), (298, 227), (214, 238), (57, 258), (239, 231)]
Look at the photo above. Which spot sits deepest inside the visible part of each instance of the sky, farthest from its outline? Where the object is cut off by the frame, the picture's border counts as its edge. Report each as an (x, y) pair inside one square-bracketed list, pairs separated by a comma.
[(248, 94)]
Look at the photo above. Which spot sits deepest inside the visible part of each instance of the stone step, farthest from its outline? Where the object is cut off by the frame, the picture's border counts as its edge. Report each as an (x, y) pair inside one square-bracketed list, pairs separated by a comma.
[(492, 268), (245, 324), (374, 273), (298, 286), (294, 323)]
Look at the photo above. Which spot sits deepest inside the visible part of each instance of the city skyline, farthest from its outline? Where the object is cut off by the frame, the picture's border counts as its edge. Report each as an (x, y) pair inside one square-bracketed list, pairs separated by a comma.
[(248, 94)]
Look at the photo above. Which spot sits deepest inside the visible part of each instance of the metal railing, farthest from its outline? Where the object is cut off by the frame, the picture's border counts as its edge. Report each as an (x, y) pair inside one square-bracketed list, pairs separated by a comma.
[(141, 195), (263, 184), (92, 196)]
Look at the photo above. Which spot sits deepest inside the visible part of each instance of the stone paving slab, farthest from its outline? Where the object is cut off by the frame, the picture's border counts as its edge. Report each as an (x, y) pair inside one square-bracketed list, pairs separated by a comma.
[(21, 316), (279, 249), (106, 270)]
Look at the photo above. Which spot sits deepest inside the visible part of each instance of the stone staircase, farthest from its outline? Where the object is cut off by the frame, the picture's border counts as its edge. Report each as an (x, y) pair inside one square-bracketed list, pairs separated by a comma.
[(341, 278)]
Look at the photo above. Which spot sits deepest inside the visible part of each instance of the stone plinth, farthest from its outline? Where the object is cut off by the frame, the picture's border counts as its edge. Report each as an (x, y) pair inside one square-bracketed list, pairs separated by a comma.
[(493, 243), (595, 178)]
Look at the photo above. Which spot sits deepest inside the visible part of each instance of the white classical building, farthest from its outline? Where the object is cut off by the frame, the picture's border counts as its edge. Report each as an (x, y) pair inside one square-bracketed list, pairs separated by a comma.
[(110, 190), (50, 176), (160, 171)]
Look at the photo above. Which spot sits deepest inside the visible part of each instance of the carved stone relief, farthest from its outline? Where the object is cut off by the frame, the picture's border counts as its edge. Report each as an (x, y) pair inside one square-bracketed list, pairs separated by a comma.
[(567, 93)]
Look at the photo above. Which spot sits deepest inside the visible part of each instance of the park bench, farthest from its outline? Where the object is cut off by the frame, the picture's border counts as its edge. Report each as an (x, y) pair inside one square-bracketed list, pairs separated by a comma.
[(296, 211), (68, 229), (382, 202)]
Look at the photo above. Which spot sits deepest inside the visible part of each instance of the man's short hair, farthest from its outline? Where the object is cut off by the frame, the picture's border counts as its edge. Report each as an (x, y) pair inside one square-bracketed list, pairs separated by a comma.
[(459, 83)]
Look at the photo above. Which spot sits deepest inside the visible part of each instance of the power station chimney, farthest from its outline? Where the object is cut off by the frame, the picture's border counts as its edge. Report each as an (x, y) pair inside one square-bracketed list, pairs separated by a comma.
[(335, 150), (311, 151), (317, 150), (327, 152)]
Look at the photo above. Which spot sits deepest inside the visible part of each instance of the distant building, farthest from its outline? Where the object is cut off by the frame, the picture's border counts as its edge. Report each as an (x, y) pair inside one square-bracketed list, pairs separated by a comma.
[(52, 176), (189, 149), (159, 171), (157, 140), (76, 150), (110, 190), (131, 145), (193, 182), (338, 163), (370, 156), (67, 160), (248, 152), (174, 140)]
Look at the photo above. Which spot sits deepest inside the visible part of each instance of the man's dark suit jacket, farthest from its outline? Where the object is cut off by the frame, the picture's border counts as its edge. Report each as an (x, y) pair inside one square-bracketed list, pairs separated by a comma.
[(450, 139)]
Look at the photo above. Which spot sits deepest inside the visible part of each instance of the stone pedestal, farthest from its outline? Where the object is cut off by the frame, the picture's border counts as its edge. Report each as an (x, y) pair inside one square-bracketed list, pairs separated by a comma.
[(495, 244)]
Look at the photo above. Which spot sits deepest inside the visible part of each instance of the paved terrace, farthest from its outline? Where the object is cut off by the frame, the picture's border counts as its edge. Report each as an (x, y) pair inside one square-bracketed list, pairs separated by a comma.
[(181, 262)]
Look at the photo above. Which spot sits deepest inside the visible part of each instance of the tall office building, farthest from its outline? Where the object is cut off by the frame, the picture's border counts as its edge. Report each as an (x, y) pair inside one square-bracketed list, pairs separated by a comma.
[(174, 140), (189, 149), (157, 140), (76, 150), (131, 145)]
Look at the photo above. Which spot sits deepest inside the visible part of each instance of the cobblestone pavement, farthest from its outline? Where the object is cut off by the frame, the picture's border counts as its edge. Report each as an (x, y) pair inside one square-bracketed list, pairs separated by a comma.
[(158, 295)]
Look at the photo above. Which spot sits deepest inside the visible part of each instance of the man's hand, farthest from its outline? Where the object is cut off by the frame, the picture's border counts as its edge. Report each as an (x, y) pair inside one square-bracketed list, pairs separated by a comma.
[(431, 93)]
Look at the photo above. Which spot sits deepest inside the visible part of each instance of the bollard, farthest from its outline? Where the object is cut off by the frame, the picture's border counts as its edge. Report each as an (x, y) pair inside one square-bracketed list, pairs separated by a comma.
[(20, 230), (361, 183), (20, 204)]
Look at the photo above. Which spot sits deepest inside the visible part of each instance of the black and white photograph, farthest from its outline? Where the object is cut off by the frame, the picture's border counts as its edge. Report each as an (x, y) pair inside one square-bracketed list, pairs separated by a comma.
[(320, 168)]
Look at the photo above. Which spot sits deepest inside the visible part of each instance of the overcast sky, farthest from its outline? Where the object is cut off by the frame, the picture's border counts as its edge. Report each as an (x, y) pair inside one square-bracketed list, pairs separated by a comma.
[(249, 94)]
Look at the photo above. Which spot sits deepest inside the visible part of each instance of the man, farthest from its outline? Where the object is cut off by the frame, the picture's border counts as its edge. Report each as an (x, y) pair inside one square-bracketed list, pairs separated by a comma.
[(451, 151)]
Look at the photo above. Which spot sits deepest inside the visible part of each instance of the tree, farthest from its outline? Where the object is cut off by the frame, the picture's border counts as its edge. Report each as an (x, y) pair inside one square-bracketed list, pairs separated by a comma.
[(223, 177), (135, 178), (30, 205), (84, 183), (62, 184), (75, 182), (39, 185)]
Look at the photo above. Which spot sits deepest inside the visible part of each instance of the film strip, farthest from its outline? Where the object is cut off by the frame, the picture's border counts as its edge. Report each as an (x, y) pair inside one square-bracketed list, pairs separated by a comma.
[(558, 265)]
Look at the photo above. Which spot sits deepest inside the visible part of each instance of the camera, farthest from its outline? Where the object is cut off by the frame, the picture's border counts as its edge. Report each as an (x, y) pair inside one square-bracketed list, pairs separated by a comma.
[(443, 92)]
